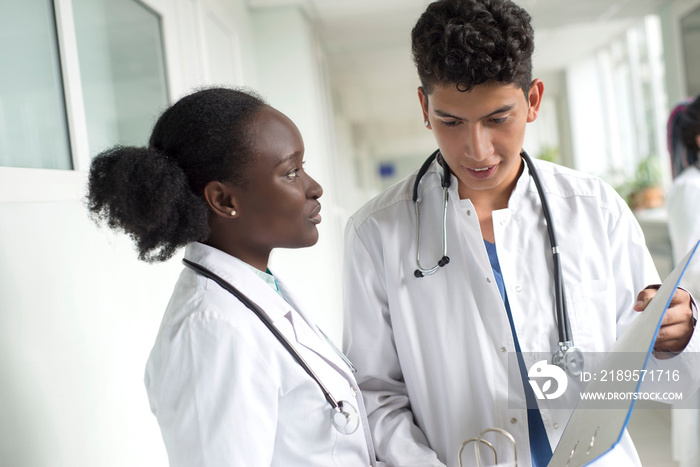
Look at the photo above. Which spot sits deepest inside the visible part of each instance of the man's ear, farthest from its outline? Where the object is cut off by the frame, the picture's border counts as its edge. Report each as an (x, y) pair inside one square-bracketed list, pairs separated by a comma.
[(534, 98), (221, 199), (423, 98)]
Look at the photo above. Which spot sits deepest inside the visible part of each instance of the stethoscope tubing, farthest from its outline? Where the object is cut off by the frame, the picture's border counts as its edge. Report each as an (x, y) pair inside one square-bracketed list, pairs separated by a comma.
[(562, 316), (266, 320), (565, 334)]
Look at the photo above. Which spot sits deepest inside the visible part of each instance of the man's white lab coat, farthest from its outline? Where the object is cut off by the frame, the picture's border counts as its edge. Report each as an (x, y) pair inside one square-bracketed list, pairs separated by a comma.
[(432, 353)]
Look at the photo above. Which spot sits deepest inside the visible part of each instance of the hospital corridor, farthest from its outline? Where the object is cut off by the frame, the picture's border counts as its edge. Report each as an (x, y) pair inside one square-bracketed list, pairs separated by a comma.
[(79, 312)]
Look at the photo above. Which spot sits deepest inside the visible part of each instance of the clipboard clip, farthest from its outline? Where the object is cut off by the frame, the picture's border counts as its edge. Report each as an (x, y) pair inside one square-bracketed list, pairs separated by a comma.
[(480, 440)]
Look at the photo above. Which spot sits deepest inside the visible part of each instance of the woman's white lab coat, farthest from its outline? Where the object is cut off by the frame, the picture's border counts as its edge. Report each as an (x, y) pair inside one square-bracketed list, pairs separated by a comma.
[(227, 393), (432, 353)]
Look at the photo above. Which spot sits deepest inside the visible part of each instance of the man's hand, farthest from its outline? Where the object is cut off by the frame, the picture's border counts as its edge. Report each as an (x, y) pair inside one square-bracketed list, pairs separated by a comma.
[(678, 323)]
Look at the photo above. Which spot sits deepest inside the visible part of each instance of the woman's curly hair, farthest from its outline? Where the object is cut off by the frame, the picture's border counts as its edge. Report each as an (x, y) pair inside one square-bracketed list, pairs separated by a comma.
[(155, 194), (472, 42)]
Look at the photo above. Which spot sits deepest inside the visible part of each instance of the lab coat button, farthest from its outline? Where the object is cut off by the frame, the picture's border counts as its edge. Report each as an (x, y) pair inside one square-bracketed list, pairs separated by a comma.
[(469, 213), (556, 426), (503, 349), (518, 289), (503, 222), (513, 420), (488, 279)]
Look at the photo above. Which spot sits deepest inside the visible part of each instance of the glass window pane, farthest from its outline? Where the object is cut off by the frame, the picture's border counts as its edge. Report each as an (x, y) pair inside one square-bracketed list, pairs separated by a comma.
[(122, 69), (690, 30), (33, 125)]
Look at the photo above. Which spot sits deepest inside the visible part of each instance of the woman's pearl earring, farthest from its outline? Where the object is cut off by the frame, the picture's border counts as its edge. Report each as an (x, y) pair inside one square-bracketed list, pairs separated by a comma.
[(427, 123), (233, 212)]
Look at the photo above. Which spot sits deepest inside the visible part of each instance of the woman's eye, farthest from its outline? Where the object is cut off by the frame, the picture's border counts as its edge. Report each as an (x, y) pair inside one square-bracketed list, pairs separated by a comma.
[(293, 174)]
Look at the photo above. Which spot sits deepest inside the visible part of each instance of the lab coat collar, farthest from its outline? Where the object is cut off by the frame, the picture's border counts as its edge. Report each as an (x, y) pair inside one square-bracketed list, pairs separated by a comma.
[(523, 185), (431, 181), (239, 275)]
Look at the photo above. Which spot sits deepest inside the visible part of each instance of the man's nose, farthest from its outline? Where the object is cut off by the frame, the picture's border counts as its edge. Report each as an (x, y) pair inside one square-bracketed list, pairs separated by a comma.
[(478, 145)]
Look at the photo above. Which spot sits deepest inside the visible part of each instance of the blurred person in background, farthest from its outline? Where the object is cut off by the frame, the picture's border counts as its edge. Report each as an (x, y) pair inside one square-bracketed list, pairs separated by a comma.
[(683, 205), (683, 201)]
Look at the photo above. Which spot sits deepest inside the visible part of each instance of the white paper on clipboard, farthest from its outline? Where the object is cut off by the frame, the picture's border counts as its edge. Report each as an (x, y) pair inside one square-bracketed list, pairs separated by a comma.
[(591, 432)]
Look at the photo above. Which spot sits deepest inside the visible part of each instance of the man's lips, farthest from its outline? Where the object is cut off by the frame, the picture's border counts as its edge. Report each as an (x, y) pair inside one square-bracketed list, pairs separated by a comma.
[(482, 172)]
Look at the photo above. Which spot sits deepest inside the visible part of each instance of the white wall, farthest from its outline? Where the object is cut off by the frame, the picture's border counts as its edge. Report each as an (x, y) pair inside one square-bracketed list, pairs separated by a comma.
[(293, 80), (79, 313)]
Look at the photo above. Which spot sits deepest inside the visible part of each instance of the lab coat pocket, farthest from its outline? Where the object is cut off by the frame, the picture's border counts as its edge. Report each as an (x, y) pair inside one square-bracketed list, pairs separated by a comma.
[(591, 308)]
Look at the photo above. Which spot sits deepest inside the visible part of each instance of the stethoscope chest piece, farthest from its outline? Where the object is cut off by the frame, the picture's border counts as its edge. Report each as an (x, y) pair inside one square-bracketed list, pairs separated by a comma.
[(569, 358), (345, 418)]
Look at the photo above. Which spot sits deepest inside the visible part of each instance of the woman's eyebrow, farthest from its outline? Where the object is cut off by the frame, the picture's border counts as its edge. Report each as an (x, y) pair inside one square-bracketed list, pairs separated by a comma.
[(285, 159)]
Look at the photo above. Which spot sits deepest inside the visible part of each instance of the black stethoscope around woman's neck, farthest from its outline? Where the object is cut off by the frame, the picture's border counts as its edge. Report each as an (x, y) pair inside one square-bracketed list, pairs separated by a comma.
[(344, 416), (568, 356)]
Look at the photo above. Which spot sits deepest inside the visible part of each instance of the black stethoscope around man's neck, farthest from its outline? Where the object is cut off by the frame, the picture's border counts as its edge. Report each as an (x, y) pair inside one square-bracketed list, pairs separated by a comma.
[(344, 416), (568, 356)]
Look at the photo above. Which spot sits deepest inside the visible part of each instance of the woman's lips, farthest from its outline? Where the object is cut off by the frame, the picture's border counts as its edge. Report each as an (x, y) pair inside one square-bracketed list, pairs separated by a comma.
[(315, 216)]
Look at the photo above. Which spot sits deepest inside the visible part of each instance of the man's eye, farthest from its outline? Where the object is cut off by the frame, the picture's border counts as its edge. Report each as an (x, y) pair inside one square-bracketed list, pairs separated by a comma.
[(450, 123)]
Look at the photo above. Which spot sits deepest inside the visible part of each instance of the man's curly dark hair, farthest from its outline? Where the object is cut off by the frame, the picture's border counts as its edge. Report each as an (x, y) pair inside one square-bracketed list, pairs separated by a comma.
[(155, 194), (472, 42)]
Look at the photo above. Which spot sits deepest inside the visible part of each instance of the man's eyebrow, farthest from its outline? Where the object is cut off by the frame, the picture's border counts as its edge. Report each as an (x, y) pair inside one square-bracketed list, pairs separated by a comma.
[(502, 109), (505, 108), (445, 114)]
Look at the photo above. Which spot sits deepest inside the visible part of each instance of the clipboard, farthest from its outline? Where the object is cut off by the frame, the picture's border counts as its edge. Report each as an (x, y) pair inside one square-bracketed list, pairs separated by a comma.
[(592, 432)]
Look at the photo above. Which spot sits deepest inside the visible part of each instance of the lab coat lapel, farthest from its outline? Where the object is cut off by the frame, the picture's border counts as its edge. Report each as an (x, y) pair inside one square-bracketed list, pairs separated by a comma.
[(279, 311), (310, 337)]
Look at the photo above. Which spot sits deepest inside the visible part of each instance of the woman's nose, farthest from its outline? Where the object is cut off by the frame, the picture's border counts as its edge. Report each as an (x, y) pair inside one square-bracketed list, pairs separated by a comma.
[(313, 188)]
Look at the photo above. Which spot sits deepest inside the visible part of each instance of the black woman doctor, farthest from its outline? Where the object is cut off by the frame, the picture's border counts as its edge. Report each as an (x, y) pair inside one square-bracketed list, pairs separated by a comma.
[(432, 352), (238, 374)]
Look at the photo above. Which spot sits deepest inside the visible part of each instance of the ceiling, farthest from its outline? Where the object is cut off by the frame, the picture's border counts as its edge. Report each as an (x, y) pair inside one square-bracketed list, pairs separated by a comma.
[(367, 51)]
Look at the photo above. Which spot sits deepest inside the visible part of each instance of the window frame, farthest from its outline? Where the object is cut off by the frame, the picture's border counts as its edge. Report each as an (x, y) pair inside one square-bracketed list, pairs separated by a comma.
[(19, 185)]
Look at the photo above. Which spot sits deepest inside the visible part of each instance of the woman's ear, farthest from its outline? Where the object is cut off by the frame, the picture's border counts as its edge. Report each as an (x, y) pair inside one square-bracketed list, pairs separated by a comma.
[(221, 199)]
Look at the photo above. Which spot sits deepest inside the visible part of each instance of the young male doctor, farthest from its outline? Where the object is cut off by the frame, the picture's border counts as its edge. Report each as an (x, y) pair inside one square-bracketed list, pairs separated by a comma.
[(432, 352)]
